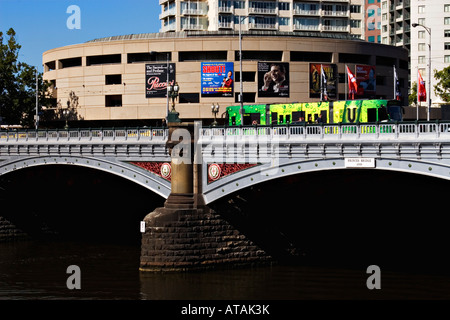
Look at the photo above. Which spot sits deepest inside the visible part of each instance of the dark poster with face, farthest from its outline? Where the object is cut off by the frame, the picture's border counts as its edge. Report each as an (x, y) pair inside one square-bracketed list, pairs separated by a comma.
[(273, 79), (156, 79)]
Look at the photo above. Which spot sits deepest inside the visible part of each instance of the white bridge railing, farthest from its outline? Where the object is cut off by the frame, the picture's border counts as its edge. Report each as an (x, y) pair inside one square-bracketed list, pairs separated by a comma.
[(337, 131), (410, 130), (111, 134)]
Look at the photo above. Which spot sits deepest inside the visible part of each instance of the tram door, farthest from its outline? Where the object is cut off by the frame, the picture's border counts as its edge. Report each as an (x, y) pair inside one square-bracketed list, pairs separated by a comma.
[(250, 117)]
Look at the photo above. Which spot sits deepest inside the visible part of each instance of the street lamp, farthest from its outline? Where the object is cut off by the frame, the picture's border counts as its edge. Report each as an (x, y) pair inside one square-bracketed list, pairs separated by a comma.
[(172, 92), (215, 111), (429, 65)]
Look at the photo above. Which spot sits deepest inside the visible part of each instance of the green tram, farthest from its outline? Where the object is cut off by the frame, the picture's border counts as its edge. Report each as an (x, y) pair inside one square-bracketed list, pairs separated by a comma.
[(343, 111)]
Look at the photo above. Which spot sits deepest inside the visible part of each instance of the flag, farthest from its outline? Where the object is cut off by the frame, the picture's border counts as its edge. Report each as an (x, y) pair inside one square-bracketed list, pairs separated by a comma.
[(352, 84), (397, 86), (323, 82), (421, 91)]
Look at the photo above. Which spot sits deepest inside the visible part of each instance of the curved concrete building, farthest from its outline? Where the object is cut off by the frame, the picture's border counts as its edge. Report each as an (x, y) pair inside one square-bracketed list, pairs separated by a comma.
[(122, 79)]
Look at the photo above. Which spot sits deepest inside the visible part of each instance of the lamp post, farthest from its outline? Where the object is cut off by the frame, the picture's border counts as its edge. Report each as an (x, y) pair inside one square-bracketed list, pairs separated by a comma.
[(241, 100), (429, 65), (172, 92), (215, 111)]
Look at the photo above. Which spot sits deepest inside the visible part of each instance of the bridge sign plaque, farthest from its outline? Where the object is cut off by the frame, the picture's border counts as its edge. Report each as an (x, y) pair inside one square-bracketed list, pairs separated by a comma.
[(360, 162)]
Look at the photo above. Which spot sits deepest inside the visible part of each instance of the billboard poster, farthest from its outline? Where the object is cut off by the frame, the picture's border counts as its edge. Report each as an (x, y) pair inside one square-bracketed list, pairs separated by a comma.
[(323, 81), (217, 79), (156, 79), (273, 79), (366, 79)]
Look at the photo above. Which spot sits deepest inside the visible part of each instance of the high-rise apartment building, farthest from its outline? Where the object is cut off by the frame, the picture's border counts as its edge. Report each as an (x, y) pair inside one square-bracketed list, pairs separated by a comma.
[(335, 16), (432, 21)]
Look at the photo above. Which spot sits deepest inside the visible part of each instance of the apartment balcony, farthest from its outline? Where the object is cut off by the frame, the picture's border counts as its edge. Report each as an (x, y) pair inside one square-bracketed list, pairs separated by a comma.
[(335, 28), (302, 27), (263, 26), (225, 9), (333, 13), (169, 27), (195, 27), (262, 10), (300, 12), (170, 12), (225, 25), (197, 12)]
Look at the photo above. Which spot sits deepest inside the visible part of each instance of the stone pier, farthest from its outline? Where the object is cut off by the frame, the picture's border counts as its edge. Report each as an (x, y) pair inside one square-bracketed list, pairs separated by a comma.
[(185, 234)]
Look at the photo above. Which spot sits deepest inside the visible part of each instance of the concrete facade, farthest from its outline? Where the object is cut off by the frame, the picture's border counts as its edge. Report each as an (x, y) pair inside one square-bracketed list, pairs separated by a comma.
[(84, 69)]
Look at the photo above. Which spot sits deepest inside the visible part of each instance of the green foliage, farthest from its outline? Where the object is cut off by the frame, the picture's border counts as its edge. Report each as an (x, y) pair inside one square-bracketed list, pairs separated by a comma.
[(18, 84), (412, 98), (442, 88)]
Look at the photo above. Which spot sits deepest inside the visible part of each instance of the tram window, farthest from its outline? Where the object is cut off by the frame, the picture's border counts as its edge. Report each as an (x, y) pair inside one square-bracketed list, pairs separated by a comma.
[(274, 117), (255, 117), (382, 114), (280, 119), (371, 115), (324, 114), (247, 120), (233, 121), (297, 114), (288, 118)]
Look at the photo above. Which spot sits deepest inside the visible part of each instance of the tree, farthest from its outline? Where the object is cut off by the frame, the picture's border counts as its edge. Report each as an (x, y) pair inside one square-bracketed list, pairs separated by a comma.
[(18, 85), (412, 98), (442, 88)]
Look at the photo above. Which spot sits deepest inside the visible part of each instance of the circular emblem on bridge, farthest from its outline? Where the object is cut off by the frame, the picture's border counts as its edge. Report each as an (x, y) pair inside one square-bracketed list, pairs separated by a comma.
[(166, 170), (214, 171)]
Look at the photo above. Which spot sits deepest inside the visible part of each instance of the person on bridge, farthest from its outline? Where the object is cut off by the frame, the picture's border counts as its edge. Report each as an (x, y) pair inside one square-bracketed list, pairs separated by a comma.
[(300, 121), (320, 119)]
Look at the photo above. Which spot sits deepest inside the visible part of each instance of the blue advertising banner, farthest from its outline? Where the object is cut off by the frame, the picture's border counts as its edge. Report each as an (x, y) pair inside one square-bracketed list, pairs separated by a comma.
[(217, 79)]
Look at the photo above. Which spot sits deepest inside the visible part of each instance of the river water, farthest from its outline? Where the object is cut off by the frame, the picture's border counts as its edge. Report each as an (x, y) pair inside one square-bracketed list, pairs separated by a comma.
[(38, 270), (342, 223)]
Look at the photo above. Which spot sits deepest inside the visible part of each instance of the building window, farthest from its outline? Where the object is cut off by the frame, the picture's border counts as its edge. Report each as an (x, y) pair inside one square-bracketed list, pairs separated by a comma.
[(113, 100), (421, 47), (104, 59), (421, 59), (446, 7), (446, 59), (421, 34), (421, 9), (355, 23), (447, 46), (447, 20), (355, 8), (70, 62), (284, 6), (421, 21), (447, 33), (284, 21), (189, 98), (113, 79), (239, 4)]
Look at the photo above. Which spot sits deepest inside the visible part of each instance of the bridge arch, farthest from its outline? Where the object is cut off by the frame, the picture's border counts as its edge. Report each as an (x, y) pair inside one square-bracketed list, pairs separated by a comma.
[(123, 169), (261, 173)]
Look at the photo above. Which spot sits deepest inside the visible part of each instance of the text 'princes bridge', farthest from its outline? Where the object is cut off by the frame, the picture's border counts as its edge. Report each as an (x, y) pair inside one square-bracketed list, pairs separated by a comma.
[(193, 166)]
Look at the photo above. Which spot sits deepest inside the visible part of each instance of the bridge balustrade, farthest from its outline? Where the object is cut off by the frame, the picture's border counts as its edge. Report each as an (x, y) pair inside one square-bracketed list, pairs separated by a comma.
[(338, 131), (115, 134)]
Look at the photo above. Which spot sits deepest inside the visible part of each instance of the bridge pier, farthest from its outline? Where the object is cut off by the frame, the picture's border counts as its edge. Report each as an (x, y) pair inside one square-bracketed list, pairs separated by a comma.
[(185, 234)]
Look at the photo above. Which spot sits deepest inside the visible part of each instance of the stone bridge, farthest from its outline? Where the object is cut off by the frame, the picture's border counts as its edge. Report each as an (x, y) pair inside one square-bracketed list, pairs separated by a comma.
[(193, 166)]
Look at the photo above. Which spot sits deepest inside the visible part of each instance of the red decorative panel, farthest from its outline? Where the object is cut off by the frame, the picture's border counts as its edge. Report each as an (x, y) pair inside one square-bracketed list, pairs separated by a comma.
[(162, 169), (220, 170)]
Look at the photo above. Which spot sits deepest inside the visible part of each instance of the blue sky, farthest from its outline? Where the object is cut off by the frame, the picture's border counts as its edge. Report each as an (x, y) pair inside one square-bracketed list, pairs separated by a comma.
[(41, 25)]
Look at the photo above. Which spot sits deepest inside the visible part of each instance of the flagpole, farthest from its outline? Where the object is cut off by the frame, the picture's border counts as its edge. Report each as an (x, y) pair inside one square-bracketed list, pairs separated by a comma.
[(346, 84), (395, 84), (418, 100), (321, 83)]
